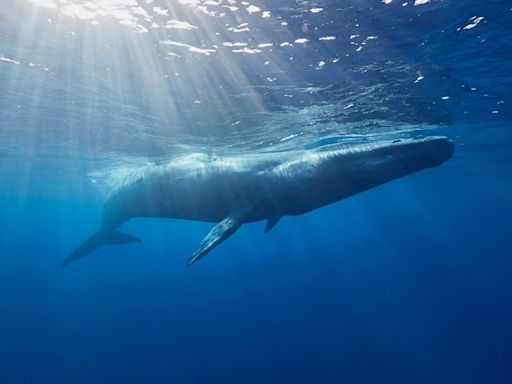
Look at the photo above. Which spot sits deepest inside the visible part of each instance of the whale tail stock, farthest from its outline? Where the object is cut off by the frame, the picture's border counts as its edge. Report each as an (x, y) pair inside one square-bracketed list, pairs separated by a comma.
[(96, 241)]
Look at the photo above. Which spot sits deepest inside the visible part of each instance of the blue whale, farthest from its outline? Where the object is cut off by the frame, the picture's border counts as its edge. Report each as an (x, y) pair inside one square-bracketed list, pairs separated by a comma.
[(234, 190)]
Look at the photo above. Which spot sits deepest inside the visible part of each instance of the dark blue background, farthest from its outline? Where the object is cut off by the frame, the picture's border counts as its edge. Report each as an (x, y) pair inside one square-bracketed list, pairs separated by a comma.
[(409, 282)]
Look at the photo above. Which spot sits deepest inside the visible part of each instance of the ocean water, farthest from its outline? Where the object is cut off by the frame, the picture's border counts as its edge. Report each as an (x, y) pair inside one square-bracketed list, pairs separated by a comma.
[(409, 282)]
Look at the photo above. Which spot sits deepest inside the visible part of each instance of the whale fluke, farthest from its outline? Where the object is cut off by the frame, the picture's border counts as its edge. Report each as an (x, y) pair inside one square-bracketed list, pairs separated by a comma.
[(96, 241), (271, 223), (217, 235)]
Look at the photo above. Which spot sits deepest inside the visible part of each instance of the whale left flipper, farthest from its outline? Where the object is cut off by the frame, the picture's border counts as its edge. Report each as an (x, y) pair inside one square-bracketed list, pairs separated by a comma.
[(217, 235)]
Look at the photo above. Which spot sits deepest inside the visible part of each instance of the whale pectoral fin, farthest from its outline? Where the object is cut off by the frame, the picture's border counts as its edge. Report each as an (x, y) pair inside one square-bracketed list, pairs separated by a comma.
[(217, 235), (271, 223)]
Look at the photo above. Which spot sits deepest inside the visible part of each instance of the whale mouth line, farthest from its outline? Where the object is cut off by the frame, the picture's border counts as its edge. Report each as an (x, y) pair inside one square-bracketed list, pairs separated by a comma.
[(373, 146)]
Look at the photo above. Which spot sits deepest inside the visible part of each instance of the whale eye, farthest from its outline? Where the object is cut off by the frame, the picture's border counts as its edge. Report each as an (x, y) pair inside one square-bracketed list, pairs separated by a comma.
[(396, 141), (139, 180)]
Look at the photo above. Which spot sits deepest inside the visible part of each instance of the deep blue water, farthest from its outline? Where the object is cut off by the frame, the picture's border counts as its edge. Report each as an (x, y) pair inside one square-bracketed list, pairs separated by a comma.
[(406, 283)]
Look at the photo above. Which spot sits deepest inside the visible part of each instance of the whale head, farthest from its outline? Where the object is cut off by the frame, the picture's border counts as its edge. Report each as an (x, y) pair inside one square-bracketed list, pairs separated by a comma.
[(351, 170), (411, 155), (386, 161)]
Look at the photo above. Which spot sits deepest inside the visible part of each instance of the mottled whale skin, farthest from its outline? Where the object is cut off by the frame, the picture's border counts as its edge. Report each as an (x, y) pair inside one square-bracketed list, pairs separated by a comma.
[(233, 190)]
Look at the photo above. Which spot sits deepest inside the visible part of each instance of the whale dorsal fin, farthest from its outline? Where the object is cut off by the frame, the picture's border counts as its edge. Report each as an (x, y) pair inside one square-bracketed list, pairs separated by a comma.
[(217, 235), (271, 223)]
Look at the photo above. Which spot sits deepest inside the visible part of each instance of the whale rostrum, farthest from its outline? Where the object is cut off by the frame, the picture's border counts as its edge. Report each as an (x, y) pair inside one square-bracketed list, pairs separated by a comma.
[(232, 190)]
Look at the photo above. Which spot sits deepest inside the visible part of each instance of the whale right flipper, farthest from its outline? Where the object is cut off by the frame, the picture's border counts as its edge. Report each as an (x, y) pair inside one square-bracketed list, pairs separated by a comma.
[(217, 235), (271, 223)]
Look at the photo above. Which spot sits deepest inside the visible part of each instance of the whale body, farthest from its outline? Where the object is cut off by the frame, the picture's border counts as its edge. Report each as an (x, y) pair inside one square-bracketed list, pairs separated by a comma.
[(234, 190)]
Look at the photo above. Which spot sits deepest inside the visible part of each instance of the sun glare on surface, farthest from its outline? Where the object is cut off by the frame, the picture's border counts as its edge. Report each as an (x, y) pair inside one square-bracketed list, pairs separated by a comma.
[(131, 78)]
